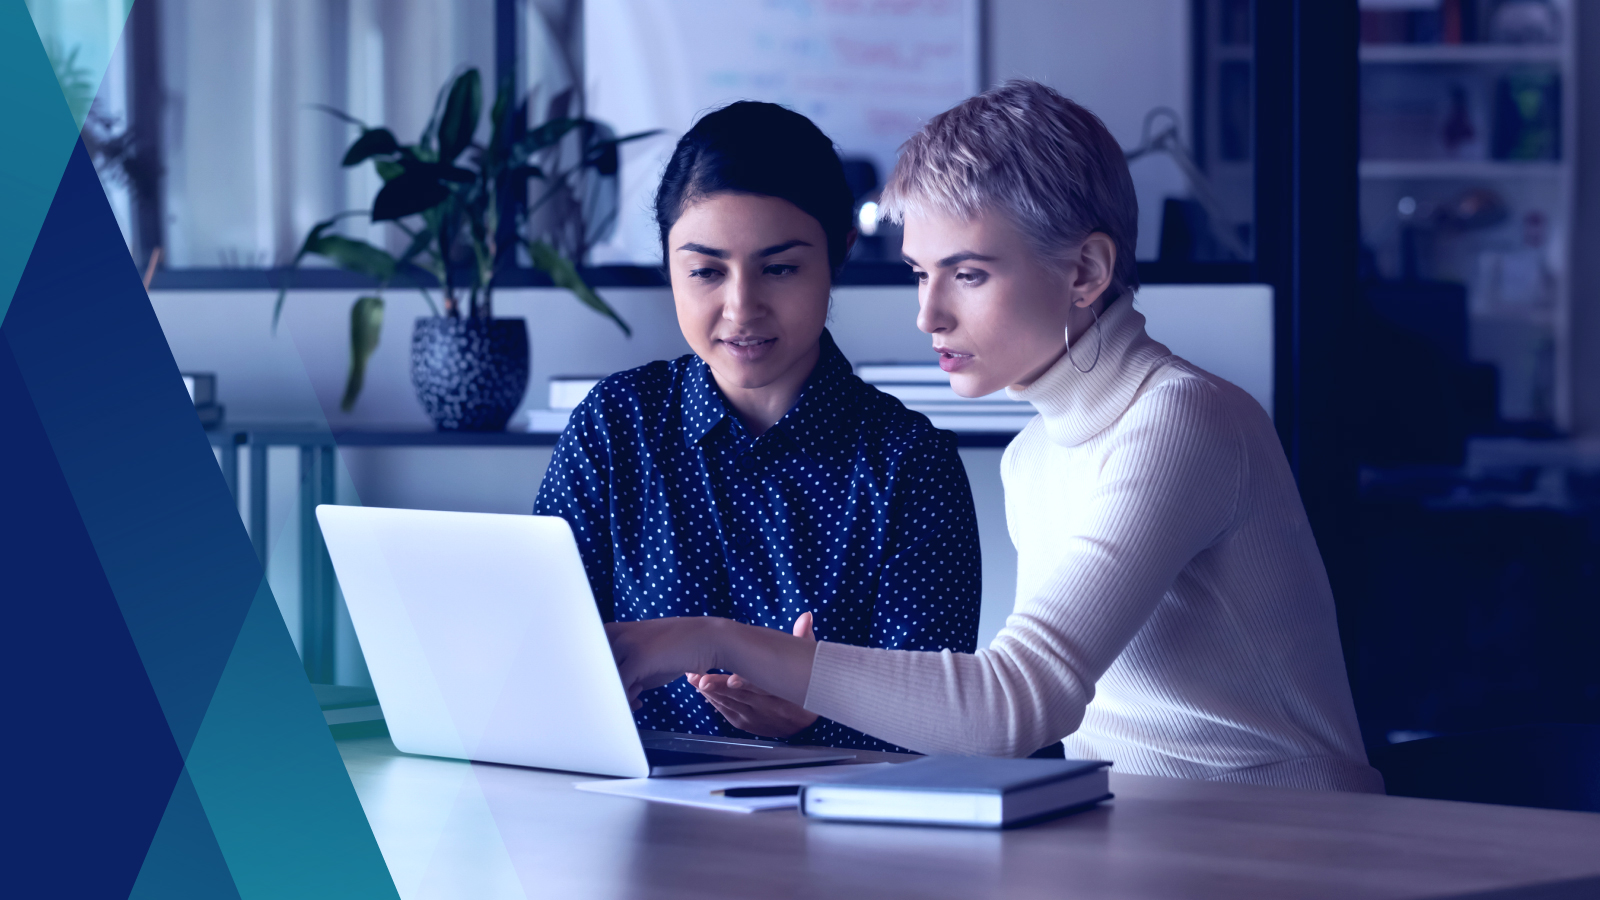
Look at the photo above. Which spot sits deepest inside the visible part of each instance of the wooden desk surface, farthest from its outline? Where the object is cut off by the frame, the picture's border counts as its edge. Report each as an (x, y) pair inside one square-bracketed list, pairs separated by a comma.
[(453, 829)]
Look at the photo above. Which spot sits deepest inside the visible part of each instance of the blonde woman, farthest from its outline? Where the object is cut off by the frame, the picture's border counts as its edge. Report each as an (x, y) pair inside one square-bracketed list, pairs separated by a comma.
[(1172, 612)]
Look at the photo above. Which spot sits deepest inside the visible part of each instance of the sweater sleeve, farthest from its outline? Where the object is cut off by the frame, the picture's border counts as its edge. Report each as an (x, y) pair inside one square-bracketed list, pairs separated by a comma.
[(1168, 487)]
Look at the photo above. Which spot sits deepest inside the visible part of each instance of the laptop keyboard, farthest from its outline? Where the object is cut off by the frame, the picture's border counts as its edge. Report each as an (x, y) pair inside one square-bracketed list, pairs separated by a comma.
[(664, 750), (678, 751), (660, 758), (707, 745)]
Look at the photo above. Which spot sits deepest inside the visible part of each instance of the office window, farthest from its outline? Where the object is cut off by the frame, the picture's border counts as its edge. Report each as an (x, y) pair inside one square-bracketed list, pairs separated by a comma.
[(250, 161), (869, 75), (228, 159)]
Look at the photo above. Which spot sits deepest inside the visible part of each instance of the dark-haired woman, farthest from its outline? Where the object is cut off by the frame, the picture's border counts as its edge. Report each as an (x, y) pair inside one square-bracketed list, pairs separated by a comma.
[(758, 479)]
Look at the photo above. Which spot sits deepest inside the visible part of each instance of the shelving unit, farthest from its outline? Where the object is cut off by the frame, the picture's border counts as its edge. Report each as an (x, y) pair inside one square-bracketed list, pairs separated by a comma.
[(1472, 169), (1429, 120), (1462, 53), (1221, 112)]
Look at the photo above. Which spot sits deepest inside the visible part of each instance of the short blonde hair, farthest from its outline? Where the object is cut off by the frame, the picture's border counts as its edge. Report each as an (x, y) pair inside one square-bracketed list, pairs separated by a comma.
[(1026, 151)]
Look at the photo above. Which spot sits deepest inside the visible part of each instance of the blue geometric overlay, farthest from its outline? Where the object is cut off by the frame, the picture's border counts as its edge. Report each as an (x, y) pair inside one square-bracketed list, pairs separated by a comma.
[(164, 721)]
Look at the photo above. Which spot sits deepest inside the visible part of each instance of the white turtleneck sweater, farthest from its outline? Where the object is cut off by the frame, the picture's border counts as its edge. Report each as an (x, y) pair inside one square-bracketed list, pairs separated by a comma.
[(1172, 614)]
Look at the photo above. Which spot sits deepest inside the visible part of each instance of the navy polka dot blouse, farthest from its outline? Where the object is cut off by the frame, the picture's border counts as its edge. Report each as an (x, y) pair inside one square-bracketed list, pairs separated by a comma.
[(851, 507)]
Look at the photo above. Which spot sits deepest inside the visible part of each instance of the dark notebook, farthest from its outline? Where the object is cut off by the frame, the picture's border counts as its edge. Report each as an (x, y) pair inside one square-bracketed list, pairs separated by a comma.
[(962, 790)]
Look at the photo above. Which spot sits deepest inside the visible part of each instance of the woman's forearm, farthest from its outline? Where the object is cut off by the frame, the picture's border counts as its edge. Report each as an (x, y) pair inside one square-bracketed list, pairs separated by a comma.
[(779, 663), (655, 652)]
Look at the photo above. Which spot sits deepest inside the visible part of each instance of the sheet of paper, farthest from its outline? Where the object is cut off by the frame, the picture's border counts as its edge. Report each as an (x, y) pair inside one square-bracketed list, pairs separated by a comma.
[(696, 790)]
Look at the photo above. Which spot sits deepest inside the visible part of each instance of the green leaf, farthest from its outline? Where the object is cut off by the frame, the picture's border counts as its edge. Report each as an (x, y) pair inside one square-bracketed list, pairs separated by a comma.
[(419, 243), (431, 130), (544, 136), (355, 256), (602, 155), (339, 114), (636, 136), (500, 122), (366, 322), (523, 173), (372, 142), (314, 235), (407, 194), (565, 275), (460, 117), (388, 169), (605, 159)]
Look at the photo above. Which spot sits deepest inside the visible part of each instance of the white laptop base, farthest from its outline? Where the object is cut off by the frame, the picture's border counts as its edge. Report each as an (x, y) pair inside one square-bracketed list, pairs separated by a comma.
[(484, 642)]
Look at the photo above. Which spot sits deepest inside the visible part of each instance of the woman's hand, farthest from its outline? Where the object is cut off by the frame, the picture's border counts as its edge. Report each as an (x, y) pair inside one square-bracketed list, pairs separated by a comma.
[(751, 709), (654, 652)]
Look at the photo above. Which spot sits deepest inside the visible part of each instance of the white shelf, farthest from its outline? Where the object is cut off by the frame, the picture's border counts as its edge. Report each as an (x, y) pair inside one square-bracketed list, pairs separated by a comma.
[(1459, 169), (1447, 54)]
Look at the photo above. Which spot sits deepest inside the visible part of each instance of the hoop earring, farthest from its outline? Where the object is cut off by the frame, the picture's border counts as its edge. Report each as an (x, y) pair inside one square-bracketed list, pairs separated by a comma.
[(1099, 342)]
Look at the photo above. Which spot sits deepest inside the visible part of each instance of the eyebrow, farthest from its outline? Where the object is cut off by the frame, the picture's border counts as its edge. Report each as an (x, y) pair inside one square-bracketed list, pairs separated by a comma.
[(702, 248), (962, 257), (774, 250), (953, 259)]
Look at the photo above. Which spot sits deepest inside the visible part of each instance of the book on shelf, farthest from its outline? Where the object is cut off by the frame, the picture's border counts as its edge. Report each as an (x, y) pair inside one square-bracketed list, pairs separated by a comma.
[(567, 391), (547, 421), (979, 422), (923, 388), (943, 393), (901, 373)]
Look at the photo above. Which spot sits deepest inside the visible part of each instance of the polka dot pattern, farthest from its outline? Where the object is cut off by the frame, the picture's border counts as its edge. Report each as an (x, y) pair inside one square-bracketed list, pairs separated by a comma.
[(851, 507)]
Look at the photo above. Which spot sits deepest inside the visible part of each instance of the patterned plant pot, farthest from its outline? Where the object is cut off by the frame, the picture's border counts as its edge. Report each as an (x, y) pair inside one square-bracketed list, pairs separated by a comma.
[(470, 374)]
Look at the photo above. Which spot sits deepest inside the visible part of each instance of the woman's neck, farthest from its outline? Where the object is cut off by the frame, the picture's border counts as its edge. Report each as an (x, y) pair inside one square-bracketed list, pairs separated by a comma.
[(1079, 321), (760, 408)]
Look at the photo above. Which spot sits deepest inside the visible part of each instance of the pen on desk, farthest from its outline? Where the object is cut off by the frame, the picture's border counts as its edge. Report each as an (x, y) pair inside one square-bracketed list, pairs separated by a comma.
[(771, 790)]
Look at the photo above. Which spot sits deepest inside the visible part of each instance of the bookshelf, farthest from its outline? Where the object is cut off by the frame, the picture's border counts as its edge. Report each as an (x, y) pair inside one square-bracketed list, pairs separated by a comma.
[(1461, 53), (1471, 169), (1468, 173)]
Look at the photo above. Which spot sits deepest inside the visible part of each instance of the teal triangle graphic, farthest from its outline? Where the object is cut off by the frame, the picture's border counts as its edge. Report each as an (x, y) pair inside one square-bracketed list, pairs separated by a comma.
[(184, 862), (101, 376), (95, 366), (40, 134), (80, 39), (272, 783)]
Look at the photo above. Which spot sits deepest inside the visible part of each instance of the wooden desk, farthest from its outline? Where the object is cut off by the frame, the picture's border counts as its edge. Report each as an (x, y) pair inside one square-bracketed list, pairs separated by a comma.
[(453, 829)]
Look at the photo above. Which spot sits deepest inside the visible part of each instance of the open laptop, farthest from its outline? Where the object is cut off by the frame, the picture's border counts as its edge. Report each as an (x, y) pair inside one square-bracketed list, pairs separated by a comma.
[(484, 643)]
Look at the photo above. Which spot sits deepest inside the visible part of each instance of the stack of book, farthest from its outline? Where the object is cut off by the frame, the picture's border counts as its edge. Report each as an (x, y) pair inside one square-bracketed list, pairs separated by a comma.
[(923, 388), (926, 389), (566, 392)]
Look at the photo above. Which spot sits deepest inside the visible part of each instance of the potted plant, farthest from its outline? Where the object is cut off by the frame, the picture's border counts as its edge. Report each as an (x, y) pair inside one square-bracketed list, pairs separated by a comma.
[(450, 196)]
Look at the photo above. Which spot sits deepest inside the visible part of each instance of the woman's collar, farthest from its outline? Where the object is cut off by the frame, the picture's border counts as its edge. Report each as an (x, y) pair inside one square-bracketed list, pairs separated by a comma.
[(1078, 405)]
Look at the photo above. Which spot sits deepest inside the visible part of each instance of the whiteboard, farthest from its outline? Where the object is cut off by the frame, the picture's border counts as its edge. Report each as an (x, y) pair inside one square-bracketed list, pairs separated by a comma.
[(868, 72)]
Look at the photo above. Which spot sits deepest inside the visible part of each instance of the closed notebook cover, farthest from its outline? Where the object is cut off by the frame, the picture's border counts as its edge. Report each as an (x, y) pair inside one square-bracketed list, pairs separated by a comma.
[(972, 774)]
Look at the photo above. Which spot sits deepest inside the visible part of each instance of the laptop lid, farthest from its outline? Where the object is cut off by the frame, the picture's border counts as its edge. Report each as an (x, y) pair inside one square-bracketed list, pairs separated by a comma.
[(482, 638)]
